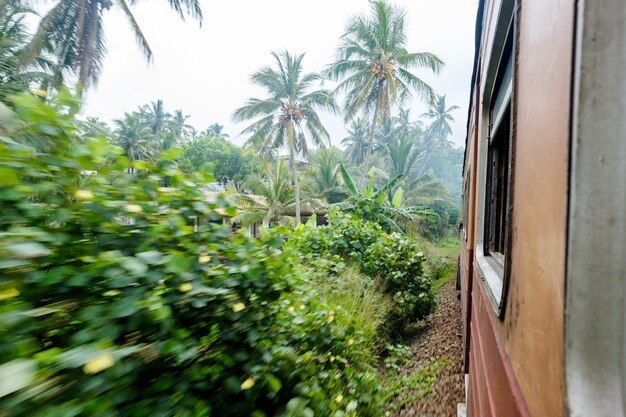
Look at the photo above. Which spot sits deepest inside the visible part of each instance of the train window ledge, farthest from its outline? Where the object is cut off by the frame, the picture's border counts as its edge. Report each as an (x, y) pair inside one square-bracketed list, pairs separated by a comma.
[(491, 272)]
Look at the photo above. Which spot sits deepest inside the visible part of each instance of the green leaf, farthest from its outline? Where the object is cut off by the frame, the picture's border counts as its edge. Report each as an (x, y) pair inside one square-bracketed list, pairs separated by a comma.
[(123, 308), (8, 177), (273, 383), (28, 250), (179, 263), (348, 181), (134, 266), (297, 407), (396, 201), (153, 257), (16, 374), (171, 154)]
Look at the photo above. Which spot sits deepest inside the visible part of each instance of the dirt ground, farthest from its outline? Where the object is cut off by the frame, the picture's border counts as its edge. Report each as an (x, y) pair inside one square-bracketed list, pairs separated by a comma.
[(438, 341)]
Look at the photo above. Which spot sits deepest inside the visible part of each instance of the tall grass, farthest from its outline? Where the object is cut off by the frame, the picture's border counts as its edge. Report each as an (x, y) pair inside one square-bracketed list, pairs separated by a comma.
[(358, 303)]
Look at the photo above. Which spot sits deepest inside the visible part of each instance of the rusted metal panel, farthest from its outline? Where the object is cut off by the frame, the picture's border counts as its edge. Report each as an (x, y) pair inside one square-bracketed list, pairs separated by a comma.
[(533, 326), (465, 268), (517, 360), (493, 386)]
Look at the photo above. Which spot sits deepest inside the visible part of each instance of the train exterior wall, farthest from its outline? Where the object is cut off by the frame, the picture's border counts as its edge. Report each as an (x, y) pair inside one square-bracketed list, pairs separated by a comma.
[(516, 361)]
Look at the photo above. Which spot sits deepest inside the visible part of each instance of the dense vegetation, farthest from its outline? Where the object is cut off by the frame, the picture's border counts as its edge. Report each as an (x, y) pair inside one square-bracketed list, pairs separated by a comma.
[(394, 259), (115, 298), (126, 290)]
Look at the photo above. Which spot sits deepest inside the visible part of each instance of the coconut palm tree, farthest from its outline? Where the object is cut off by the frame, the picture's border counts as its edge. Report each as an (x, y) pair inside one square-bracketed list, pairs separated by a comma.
[(216, 130), (427, 190), (180, 126), (323, 175), (156, 116), (356, 141), (15, 75), (272, 200), (373, 63), (135, 138), (440, 129), (435, 137), (74, 30), (287, 113), (402, 152)]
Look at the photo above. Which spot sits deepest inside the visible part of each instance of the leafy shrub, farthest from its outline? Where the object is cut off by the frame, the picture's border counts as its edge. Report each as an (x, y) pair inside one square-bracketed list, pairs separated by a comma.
[(116, 301), (393, 258), (443, 222), (398, 355), (441, 270)]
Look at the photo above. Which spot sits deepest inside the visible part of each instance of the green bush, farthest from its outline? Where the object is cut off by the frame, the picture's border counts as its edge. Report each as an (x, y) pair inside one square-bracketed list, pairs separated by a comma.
[(443, 223), (116, 301), (393, 258)]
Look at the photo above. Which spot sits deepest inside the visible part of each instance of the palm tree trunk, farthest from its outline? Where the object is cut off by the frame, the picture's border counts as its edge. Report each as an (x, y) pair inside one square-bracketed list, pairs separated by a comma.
[(294, 171), (370, 144)]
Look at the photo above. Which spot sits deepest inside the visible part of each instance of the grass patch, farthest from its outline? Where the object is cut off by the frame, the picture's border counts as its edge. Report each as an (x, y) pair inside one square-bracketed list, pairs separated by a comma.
[(359, 303), (446, 272), (400, 392), (441, 260), (447, 248)]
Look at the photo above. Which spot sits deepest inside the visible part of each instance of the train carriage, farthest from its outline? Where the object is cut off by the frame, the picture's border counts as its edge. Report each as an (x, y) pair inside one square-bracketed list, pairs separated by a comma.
[(543, 241)]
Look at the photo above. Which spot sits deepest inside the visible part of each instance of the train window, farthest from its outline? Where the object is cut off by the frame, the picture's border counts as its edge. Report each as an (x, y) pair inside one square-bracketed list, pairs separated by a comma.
[(497, 187), (498, 158), (495, 170)]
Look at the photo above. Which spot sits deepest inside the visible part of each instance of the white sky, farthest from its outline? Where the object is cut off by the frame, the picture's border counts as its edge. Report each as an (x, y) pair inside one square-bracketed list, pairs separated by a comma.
[(205, 71)]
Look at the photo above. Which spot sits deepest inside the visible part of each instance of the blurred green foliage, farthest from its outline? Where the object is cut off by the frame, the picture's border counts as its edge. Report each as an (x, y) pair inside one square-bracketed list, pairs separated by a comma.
[(116, 301)]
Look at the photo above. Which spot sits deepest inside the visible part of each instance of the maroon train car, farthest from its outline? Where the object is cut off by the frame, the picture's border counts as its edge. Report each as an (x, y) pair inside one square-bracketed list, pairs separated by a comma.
[(543, 243)]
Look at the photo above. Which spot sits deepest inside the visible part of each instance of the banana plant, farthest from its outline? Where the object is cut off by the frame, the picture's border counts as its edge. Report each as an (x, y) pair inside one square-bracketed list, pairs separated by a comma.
[(377, 204)]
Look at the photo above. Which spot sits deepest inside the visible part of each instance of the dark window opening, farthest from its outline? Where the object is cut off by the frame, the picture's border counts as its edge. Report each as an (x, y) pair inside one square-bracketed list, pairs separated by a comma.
[(499, 156), (497, 187)]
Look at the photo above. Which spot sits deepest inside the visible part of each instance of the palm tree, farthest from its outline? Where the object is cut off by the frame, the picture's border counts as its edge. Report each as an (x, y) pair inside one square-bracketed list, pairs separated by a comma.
[(216, 130), (15, 75), (402, 153), (427, 190), (179, 126), (406, 127), (374, 64), (323, 174), (437, 132), (287, 113), (135, 138), (385, 134), (356, 141), (272, 200), (74, 30), (440, 128), (94, 127), (156, 116)]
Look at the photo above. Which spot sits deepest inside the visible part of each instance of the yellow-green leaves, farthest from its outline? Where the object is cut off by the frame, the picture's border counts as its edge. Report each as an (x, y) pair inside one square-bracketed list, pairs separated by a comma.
[(238, 307), (83, 195), (99, 363), (247, 384), (8, 293)]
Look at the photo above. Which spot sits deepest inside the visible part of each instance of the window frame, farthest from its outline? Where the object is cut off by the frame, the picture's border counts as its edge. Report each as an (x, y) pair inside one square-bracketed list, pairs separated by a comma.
[(498, 94)]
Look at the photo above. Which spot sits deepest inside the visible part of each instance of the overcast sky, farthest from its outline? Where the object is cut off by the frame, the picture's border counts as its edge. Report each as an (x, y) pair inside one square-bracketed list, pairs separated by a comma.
[(205, 71)]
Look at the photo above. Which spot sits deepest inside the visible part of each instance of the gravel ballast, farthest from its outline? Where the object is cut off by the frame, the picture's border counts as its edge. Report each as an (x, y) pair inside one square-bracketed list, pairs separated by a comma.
[(439, 341)]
